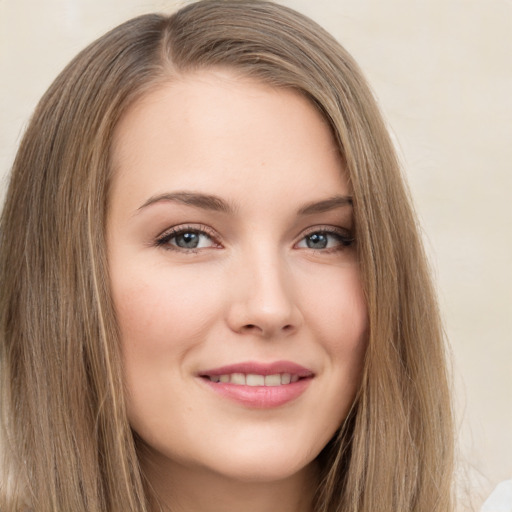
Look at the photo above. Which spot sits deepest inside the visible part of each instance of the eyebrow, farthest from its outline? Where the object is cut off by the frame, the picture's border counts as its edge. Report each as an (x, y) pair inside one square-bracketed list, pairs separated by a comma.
[(215, 203), (326, 205), (203, 201)]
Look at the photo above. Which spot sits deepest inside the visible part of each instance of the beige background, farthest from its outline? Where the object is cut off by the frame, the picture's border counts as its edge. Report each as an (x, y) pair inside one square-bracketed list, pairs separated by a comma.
[(442, 71)]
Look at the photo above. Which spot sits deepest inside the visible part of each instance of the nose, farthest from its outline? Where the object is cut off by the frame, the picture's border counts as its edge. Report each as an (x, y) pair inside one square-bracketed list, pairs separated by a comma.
[(263, 299)]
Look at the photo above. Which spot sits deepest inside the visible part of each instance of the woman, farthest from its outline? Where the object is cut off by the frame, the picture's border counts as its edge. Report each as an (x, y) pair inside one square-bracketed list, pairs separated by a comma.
[(214, 294)]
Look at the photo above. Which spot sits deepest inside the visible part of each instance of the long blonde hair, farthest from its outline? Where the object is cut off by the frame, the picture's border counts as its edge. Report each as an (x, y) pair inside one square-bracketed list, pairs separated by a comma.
[(67, 445)]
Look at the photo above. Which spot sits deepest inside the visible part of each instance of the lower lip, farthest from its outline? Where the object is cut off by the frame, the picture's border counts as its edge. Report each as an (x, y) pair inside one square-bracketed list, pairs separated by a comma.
[(260, 397)]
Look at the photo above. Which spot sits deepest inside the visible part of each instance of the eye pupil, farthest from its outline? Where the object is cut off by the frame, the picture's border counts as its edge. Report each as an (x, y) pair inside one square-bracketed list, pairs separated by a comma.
[(188, 240), (317, 241)]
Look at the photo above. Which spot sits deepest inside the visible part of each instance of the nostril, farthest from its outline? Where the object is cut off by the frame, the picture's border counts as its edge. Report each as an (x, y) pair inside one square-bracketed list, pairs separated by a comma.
[(249, 328), (253, 327)]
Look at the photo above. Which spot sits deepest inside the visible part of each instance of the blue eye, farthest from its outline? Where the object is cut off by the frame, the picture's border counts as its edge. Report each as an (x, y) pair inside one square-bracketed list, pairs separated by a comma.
[(322, 240), (186, 239)]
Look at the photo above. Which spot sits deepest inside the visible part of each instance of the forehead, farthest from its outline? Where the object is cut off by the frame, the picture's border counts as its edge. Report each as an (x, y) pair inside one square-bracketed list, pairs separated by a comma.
[(224, 132)]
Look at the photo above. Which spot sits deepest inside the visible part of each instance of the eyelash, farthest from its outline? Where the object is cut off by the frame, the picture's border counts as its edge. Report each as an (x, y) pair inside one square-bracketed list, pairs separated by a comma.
[(164, 239), (344, 237)]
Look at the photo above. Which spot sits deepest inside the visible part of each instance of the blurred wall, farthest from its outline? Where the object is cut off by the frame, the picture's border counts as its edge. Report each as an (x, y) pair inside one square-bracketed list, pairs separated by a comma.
[(442, 71)]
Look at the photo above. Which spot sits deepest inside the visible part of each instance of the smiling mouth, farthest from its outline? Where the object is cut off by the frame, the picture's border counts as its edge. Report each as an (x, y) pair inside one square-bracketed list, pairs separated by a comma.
[(259, 385), (254, 374), (253, 379)]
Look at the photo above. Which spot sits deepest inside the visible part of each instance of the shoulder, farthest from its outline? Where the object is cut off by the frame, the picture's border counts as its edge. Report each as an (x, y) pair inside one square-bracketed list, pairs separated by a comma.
[(500, 500)]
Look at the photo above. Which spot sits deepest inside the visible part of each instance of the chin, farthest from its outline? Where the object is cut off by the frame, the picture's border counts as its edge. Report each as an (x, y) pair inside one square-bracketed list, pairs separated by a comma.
[(263, 464)]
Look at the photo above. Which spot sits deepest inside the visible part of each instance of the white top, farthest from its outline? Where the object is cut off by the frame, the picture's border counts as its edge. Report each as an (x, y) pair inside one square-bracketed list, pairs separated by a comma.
[(500, 500)]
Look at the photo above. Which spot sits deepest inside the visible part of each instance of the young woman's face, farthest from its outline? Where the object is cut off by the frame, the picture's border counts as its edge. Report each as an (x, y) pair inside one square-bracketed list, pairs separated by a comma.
[(234, 277)]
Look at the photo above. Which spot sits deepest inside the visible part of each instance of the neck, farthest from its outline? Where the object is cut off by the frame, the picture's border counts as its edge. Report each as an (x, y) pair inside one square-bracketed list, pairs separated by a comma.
[(184, 489)]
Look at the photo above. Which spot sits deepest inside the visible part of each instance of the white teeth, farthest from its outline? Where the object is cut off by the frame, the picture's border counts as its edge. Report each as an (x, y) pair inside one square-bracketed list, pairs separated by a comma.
[(238, 378), (273, 380), (253, 379), (285, 378)]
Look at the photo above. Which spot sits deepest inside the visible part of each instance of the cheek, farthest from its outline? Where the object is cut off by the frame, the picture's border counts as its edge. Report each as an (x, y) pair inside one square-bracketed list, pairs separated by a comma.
[(339, 318), (338, 312), (156, 307), (163, 316)]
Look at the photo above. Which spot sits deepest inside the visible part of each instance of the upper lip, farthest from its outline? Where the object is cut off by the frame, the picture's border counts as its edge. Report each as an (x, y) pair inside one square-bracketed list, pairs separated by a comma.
[(256, 368)]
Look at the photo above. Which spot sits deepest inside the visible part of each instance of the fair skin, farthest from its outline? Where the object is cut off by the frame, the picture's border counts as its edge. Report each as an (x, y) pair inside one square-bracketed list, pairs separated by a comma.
[(231, 254)]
